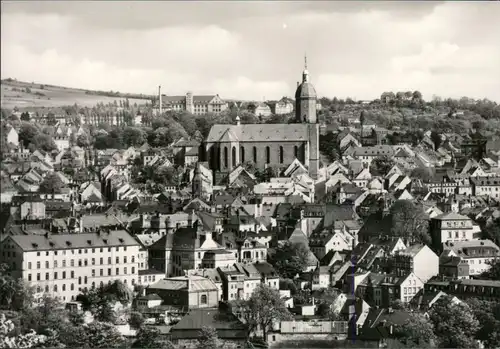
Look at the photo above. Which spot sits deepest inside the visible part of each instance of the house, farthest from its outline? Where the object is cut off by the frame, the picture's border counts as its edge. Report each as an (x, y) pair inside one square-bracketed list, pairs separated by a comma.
[(450, 227), (230, 330), (281, 107), (419, 259), (262, 110), (465, 288), (10, 135), (486, 186), (189, 291), (476, 253)]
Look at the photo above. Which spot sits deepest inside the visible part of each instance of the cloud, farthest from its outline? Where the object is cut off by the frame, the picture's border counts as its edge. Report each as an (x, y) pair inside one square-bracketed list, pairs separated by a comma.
[(242, 50)]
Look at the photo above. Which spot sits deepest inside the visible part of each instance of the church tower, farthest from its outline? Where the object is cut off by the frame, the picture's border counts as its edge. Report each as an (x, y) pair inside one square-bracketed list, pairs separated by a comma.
[(305, 99), (305, 113)]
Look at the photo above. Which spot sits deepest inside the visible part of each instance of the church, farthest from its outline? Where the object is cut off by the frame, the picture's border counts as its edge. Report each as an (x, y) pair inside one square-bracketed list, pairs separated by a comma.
[(228, 146)]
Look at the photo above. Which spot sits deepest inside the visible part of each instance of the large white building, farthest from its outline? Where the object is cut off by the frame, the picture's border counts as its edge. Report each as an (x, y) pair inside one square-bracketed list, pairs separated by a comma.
[(66, 264)]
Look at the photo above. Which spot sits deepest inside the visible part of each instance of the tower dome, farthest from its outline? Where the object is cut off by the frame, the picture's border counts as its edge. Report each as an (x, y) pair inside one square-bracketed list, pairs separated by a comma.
[(305, 89)]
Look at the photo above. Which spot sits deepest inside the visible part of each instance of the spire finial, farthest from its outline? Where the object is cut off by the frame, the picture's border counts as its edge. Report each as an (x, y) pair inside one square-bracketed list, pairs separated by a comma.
[(305, 61)]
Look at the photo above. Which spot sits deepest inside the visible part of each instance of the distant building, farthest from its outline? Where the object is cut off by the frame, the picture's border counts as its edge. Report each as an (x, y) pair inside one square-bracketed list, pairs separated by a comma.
[(281, 107), (197, 105)]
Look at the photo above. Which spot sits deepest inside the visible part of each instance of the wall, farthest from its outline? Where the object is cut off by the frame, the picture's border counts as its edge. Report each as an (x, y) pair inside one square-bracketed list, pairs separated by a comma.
[(195, 299)]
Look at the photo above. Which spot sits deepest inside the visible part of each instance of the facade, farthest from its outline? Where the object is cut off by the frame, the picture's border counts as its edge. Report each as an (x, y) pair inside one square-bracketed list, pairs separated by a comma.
[(450, 227), (486, 186), (191, 291), (476, 253), (283, 106), (197, 105), (64, 265), (228, 146)]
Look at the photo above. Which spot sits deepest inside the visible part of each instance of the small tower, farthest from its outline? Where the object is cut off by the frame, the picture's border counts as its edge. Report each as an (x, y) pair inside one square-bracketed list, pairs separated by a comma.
[(238, 120), (196, 182)]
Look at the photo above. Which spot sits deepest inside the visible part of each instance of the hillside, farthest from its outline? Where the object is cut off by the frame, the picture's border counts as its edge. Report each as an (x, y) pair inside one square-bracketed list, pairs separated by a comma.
[(24, 94)]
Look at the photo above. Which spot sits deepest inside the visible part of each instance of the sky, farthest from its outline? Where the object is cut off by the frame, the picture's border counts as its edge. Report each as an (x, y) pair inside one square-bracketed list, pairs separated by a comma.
[(255, 50)]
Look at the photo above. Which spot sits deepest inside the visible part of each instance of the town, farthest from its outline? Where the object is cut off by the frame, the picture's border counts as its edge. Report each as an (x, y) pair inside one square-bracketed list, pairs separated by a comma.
[(195, 222), (249, 174)]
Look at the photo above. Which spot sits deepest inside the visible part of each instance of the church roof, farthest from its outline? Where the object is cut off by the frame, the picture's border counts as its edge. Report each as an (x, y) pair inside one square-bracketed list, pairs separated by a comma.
[(305, 90), (258, 133)]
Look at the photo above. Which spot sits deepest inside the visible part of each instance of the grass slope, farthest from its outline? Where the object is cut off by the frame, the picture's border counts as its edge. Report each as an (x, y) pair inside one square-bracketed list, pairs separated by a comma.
[(14, 94)]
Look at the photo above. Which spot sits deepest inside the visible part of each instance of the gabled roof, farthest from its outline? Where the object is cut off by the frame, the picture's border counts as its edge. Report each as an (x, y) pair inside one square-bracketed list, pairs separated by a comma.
[(261, 132)]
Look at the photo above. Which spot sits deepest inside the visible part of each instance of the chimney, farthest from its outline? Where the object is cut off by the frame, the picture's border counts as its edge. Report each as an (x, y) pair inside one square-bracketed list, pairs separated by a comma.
[(159, 99), (190, 219)]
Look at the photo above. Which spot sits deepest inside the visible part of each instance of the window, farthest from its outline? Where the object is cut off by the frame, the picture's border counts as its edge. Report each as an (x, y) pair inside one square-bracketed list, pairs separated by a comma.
[(133, 259), (117, 249), (37, 276), (109, 260), (133, 270), (226, 155), (55, 264), (85, 280), (29, 265), (242, 155), (102, 250), (38, 254), (109, 271), (64, 263), (79, 262), (203, 299), (38, 265), (268, 155), (47, 253), (296, 151), (72, 274), (72, 263), (93, 261), (47, 276), (117, 260), (29, 277), (117, 271), (79, 280), (101, 260), (64, 275), (55, 275), (125, 270), (233, 157), (93, 272), (101, 272), (55, 288), (80, 251), (281, 154), (125, 259), (47, 265), (64, 287), (72, 287)]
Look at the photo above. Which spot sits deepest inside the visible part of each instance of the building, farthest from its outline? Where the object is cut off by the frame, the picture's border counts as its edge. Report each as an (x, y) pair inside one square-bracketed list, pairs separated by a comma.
[(283, 106), (190, 291), (486, 186), (419, 259), (476, 253), (262, 110), (197, 105), (10, 135), (464, 288), (450, 227), (64, 265), (228, 146)]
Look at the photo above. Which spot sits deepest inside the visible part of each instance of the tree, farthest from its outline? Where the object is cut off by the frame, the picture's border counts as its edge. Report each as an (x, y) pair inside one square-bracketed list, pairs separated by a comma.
[(27, 132), (149, 338), (381, 166), (25, 116), (416, 332), (83, 141), (488, 315), (493, 273), (409, 222), (290, 259), (436, 139), (208, 339), (264, 307), (43, 142), (51, 184), (10, 339), (136, 320), (15, 294), (95, 335), (454, 324), (328, 146), (491, 231), (134, 136)]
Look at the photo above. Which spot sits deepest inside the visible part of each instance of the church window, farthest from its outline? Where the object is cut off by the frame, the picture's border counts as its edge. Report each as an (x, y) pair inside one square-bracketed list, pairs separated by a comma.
[(242, 155), (233, 157), (255, 154), (296, 151), (226, 155), (268, 155), (281, 154)]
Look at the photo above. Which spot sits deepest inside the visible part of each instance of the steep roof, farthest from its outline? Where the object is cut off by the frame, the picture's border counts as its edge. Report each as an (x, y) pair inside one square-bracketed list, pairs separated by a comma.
[(260, 132), (74, 241)]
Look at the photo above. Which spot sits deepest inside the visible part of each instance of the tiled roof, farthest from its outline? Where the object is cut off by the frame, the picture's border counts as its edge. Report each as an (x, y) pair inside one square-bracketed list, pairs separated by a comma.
[(73, 241), (260, 132), (227, 325), (451, 216), (196, 283)]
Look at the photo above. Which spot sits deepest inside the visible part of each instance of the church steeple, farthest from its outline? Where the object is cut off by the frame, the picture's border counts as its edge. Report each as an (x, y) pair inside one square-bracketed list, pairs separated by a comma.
[(305, 73)]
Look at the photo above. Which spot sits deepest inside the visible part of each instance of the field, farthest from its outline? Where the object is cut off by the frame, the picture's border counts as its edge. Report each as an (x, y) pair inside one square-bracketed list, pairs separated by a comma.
[(28, 95)]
